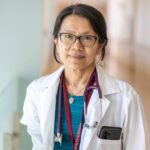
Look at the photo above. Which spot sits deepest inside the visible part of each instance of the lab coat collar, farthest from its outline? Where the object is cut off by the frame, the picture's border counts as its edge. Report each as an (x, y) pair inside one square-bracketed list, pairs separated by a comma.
[(108, 86), (107, 83), (53, 79)]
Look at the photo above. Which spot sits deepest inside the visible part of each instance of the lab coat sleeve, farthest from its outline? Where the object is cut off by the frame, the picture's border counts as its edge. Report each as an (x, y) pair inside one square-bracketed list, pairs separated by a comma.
[(30, 116), (135, 132)]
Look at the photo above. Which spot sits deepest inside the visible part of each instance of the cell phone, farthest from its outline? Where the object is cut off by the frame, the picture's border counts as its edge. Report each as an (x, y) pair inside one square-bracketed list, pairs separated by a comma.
[(110, 133)]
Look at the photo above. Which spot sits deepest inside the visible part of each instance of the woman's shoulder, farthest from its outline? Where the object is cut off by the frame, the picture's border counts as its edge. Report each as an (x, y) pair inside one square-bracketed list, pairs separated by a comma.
[(112, 82), (38, 83)]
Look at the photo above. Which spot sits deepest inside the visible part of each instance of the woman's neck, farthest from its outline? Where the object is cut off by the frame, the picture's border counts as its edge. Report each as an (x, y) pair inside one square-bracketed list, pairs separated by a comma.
[(76, 80)]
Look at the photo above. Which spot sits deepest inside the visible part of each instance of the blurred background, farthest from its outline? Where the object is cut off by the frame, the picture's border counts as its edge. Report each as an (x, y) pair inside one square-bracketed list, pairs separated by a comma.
[(26, 52)]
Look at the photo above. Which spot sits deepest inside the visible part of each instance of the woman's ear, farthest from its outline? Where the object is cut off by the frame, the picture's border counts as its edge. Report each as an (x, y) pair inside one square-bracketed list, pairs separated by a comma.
[(99, 48), (55, 41), (56, 44)]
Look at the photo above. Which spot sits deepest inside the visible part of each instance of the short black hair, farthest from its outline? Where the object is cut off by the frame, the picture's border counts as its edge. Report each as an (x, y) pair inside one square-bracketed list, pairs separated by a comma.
[(94, 16)]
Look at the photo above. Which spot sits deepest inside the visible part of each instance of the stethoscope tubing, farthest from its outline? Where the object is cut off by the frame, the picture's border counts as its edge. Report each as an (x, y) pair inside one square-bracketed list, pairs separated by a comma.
[(88, 87)]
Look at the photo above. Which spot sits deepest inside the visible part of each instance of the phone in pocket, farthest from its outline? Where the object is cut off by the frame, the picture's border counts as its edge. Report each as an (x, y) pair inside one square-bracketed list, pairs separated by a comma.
[(110, 133)]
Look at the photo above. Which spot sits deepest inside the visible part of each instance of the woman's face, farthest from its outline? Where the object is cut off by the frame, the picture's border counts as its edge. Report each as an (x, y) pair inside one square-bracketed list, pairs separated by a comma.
[(79, 54)]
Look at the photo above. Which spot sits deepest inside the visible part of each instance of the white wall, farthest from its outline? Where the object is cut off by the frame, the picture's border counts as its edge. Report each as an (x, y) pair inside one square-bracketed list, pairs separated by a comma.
[(8, 105), (143, 23), (19, 37), (19, 53), (129, 20), (120, 19)]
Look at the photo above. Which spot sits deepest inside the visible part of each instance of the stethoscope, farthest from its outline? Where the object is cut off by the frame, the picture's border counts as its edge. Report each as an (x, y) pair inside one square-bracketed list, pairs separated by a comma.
[(58, 136)]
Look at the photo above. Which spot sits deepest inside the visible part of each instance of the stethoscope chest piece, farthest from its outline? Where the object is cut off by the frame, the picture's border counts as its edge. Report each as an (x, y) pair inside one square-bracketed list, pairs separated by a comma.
[(58, 138)]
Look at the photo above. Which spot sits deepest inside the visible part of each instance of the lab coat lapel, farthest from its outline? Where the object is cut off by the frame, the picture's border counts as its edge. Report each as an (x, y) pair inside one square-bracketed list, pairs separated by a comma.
[(95, 114), (98, 106), (47, 106), (94, 101), (105, 105)]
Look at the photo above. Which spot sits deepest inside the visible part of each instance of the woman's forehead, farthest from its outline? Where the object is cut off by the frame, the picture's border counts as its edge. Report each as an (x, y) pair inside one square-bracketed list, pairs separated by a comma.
[(75, 23)]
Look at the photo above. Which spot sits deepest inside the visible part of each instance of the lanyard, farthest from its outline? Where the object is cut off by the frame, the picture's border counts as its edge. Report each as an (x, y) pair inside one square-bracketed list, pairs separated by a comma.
[(75, 141), (91, 85)]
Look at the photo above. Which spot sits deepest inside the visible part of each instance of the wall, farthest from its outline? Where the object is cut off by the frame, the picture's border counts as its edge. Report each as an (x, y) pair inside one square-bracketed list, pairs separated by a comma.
[(8, 105), (143, 23), (19, 54)]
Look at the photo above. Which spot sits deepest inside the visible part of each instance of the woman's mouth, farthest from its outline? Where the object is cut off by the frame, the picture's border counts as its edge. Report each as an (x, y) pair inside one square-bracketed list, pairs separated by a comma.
[(76, 56)]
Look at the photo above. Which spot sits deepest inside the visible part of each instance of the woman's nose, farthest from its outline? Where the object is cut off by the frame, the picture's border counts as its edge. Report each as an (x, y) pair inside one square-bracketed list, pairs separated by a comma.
[(77, 44)]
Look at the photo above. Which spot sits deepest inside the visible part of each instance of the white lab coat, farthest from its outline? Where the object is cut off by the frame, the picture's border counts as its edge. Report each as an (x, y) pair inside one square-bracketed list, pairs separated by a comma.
[(119, 107)]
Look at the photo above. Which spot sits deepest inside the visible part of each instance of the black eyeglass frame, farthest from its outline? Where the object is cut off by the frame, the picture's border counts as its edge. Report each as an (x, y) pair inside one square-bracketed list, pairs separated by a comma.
[(79, 37)]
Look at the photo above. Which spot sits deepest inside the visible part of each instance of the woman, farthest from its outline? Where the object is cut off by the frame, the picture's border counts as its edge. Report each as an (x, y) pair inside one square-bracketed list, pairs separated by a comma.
[(80, 106)]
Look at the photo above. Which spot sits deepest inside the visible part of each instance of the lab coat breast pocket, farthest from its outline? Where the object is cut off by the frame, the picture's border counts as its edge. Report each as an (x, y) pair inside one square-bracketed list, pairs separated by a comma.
[(103, 144)]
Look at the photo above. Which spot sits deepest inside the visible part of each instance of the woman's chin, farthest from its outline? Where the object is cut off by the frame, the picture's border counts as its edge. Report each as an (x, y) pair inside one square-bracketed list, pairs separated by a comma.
[(75, 67), (78, 66)]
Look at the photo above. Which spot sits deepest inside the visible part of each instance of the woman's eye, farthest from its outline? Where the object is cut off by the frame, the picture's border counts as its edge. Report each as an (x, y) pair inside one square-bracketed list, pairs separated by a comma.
[(69, 36), (89, 38)]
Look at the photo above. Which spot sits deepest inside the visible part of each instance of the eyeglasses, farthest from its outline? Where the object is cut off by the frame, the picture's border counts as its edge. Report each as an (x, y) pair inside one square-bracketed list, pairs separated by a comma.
[(85, 40)]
